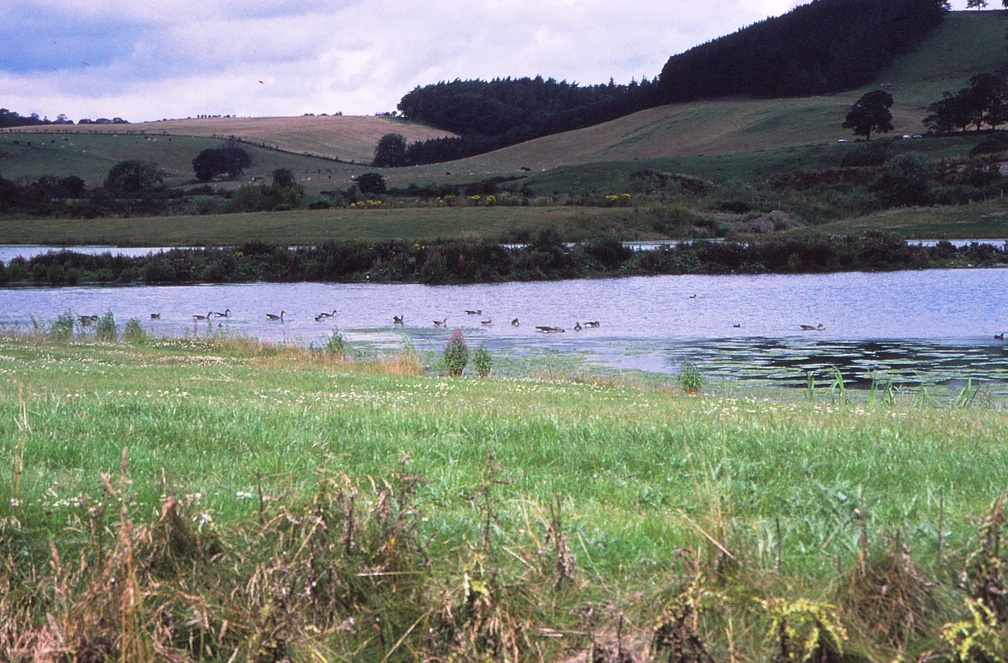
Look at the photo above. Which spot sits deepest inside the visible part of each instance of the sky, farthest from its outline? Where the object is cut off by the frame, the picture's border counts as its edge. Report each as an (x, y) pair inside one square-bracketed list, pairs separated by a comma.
[(153, 59)]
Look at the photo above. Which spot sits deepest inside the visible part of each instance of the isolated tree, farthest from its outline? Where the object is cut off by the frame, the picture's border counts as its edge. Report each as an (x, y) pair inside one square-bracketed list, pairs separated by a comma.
[(229, 159), (970, 4), (390, 152), (283, 178), (134, 178), (208, 164), (237, 159), (870, 113), (371, 184)]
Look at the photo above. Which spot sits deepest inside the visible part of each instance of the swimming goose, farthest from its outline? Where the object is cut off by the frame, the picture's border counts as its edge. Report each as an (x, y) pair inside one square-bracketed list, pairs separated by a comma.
[(155, 316), (274, 318), (398, 319), (811, 328), (203, 317), (592, 324), (476, 312), (441, 323), (225, 314), (323, 314), (486, 323), (515, 323), (577, 326), (549, 330)]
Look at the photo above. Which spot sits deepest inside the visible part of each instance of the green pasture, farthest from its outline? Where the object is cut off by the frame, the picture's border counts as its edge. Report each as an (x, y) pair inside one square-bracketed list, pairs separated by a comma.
[(507, 509), (986, 219), (91, 155), (307, 227), (966, 44), (635, 464)]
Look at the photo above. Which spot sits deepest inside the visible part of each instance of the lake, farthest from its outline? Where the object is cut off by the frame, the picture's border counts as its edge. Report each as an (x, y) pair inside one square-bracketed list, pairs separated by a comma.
[(938, 326)]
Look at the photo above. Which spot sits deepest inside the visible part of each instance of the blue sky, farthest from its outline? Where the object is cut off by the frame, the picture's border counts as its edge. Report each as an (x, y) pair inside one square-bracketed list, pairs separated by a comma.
[(153, 59)]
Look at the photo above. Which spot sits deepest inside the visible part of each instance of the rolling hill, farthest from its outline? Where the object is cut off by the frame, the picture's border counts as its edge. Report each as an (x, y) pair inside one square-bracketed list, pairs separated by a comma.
[(326, 151)]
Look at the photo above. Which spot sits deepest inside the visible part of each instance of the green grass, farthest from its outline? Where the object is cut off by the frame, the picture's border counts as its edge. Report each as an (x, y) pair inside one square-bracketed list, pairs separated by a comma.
[(243, 435), (628, 459), (305, 227), (967, 43), (90, 156)]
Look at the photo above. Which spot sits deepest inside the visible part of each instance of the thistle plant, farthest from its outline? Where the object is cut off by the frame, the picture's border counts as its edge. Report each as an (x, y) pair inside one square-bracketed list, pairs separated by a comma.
[(456, 353)]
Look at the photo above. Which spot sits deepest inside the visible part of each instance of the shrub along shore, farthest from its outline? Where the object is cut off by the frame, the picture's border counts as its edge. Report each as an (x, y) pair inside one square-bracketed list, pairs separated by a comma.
[(461, 261), (224, 499)]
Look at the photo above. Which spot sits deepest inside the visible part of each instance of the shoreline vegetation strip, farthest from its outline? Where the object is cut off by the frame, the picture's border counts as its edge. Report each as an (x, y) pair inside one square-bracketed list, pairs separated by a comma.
[(461, 261)]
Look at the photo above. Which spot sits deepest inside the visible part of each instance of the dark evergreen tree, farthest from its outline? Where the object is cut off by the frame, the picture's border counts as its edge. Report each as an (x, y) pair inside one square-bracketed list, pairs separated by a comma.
[(821, 47)]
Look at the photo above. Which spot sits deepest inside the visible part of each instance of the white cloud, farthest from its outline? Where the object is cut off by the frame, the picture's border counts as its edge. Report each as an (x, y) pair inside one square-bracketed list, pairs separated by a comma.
[(178, 58)]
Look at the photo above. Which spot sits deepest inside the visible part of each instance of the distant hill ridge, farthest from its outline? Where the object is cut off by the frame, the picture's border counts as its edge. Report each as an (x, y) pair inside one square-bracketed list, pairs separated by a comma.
[(826, 46)]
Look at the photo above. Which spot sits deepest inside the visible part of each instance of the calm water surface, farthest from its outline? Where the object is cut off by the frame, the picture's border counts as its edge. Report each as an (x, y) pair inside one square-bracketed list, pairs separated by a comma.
[(935, 325)]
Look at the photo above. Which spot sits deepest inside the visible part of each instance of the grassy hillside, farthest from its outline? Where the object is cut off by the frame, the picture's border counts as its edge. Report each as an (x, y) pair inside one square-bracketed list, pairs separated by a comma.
[(968, 43), (702, 128), (346, 138)]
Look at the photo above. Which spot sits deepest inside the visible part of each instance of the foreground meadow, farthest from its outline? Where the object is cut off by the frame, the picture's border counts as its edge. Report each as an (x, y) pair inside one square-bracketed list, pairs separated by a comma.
[(226, 500)]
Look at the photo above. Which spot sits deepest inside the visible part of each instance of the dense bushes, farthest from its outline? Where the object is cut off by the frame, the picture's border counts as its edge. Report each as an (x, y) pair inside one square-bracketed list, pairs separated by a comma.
[(456, 261)]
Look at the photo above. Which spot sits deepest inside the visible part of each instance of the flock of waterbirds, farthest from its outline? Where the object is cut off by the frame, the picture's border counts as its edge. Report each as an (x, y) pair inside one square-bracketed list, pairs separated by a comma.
[(400, 319), (86, 320)]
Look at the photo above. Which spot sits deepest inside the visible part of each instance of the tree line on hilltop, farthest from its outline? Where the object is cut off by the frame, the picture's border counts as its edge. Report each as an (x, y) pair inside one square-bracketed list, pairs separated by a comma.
[(9, 119), (823, 47)]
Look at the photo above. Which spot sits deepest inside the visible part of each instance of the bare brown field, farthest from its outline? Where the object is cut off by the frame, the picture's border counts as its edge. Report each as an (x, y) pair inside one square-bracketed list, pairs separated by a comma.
[(347, 138)]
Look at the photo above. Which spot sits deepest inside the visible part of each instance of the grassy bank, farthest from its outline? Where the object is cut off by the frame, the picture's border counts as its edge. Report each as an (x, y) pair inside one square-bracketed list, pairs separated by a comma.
[(279, 501), (308, 227)]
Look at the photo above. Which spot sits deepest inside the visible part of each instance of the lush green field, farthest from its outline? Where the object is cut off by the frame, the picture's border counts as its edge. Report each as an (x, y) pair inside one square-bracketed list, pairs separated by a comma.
[(769, 494), (307, 227)]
